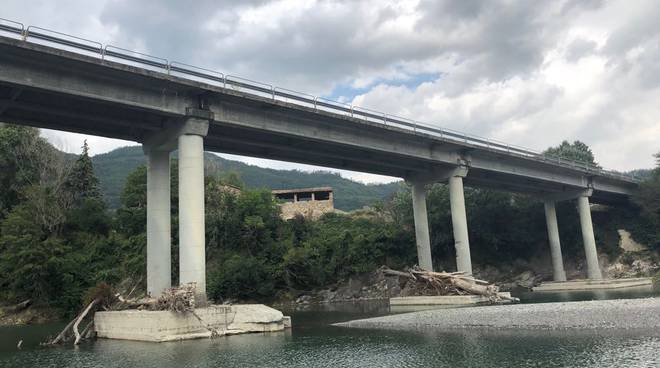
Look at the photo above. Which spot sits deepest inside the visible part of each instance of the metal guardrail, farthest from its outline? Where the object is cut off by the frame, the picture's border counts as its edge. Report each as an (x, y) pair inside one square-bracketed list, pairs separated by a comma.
[(277, 93)]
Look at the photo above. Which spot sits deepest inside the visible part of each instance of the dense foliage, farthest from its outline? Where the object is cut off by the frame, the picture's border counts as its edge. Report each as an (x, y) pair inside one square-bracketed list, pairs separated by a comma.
[(113, 167), (58, 239), (648, 199), (576, 151)]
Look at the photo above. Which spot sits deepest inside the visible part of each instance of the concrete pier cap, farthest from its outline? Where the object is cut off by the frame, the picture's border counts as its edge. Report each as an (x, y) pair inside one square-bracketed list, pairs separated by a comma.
[(186, 135)]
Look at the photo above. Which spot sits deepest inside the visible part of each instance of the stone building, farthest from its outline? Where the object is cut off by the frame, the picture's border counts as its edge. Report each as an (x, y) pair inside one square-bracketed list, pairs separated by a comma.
[(231, 189), (309, 202)]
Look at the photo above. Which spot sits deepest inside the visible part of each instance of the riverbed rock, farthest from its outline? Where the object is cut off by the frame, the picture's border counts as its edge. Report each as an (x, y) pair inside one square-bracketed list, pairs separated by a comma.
[(304, 299), (527, 280)]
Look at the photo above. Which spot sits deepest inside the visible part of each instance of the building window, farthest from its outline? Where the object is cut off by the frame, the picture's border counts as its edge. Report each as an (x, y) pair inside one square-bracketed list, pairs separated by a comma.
[(321, 196), (304, 197), (285, 197)]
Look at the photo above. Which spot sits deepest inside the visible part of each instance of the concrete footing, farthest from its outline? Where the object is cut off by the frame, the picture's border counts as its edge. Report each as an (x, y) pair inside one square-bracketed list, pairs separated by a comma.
[(442, 300), (159, 326), (582, 285)]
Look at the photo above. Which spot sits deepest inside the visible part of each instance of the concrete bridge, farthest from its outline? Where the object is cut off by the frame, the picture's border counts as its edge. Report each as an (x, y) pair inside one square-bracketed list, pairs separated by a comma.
[(60, 82)]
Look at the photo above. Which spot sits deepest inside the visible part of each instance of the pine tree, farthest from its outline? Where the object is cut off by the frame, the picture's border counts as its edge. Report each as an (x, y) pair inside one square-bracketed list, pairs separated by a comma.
[(82, 183)]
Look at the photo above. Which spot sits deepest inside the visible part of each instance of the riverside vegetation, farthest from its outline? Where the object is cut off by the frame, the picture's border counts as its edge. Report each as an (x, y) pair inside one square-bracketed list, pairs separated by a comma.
[(58, 239)]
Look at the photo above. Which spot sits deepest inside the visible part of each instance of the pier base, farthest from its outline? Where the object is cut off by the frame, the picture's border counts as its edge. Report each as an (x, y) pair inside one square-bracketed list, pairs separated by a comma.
[(443, 300), (581, 285), (159, 326)]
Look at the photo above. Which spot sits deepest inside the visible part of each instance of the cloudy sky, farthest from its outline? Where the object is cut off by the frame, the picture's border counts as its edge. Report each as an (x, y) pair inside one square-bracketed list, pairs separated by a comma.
[(531, 73)]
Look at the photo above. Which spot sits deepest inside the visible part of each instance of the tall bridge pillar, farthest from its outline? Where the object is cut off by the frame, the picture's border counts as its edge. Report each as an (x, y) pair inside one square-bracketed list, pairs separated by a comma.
[(159, 238), (553, 236), (188, 137), (192, 254), (459, 224), (588, 238), (422, 236)]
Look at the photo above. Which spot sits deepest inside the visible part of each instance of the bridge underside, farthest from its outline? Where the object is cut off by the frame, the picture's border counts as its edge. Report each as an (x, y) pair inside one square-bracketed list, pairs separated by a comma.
[(85, 115)]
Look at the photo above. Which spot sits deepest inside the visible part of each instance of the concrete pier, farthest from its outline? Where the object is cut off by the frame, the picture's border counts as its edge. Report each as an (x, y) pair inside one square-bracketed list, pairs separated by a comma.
[(637, 283), (593, 268), (161, 326), (192, 255), (459, 223), (553, 237), (159, 274), (421, 226)]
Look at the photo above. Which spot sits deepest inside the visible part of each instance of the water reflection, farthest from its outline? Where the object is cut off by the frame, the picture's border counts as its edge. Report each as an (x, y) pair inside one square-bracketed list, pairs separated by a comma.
[(572, 296), (314, 343)]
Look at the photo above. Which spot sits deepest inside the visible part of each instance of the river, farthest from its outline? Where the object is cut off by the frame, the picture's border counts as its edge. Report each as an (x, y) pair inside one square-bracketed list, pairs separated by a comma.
[(314, 343)]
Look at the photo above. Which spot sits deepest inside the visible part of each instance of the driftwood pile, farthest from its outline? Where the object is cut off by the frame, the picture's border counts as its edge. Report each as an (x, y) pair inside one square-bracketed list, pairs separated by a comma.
[(177, 299), (450, 283)]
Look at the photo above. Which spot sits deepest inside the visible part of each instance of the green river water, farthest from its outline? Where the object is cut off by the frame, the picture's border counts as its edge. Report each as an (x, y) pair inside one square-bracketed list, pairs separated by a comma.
[(314, 343)]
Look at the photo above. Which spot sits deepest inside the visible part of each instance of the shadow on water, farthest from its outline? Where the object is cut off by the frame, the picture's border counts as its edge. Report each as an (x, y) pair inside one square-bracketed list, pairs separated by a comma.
[(574, 296), (314, 343)]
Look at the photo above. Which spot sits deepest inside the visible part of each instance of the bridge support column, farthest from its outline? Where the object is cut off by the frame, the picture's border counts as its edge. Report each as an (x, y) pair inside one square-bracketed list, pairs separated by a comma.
[(553, 236), (459, 223), (421, 226), (192, 253), (159, 273), (188, 135), (588, 238)]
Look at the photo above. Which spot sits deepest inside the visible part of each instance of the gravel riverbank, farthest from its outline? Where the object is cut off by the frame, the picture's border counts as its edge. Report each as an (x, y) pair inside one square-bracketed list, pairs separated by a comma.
[(598, 314)]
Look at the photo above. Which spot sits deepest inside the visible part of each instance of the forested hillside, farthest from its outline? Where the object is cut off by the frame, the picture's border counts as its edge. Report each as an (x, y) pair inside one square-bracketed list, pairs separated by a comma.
[(112, 168)]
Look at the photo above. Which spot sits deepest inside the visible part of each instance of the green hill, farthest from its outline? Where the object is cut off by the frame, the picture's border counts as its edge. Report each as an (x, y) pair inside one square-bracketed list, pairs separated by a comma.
[(113, 167)]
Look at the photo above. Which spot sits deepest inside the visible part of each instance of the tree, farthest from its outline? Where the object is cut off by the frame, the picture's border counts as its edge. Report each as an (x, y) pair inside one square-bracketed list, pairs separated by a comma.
[(647, 197), (26, 160), (648, 194), (88, 210), (81, 182), (576, 151)]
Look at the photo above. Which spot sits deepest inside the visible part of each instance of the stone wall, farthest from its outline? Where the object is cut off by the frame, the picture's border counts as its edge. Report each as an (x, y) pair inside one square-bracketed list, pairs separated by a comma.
[(308, 209)]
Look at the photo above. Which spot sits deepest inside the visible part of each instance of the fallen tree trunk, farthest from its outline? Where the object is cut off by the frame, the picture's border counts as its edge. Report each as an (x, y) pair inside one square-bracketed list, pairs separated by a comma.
[(87, 331), (141, 303), (61, 337), (391, 272), (80, 318)]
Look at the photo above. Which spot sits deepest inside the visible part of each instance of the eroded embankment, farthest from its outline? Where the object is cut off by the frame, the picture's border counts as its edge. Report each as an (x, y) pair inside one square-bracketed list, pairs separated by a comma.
[(642, 314)]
